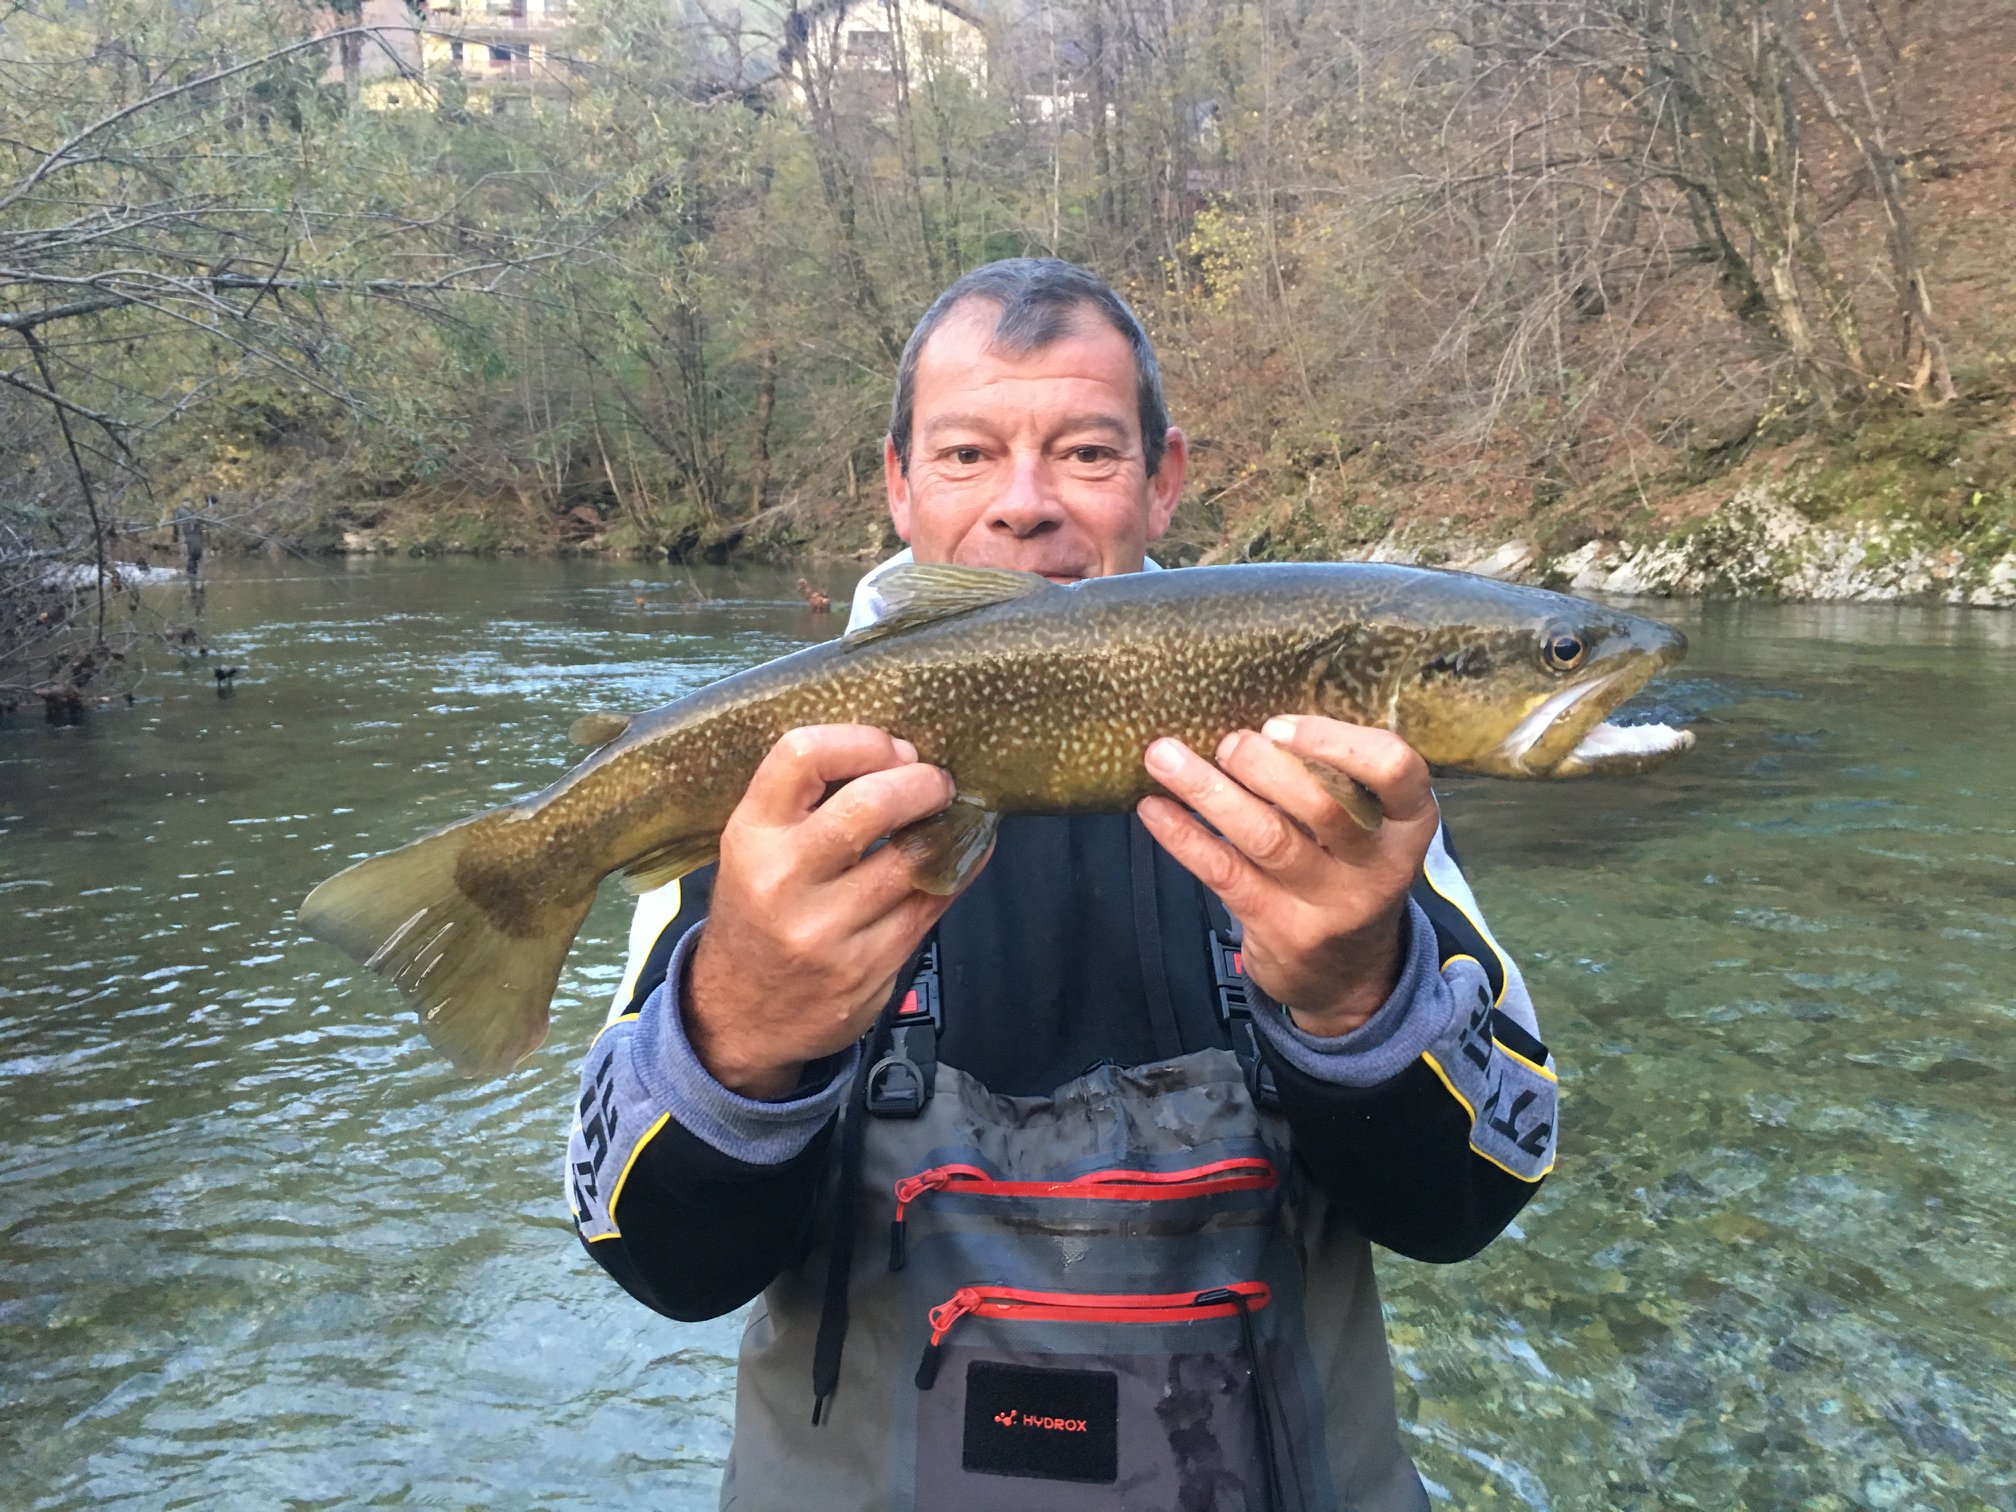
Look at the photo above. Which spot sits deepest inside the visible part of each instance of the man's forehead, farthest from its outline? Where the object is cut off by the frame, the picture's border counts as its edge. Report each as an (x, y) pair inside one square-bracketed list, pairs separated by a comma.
[(1074, 423), (969, 331)]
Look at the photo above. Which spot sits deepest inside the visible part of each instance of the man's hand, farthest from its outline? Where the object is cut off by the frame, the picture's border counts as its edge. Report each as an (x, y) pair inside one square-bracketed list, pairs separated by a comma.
[(804, 937), (1320, 898)]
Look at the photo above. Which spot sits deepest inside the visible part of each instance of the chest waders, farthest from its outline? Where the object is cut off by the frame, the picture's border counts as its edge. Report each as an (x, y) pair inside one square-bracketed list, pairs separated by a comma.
[(1121, 1295)]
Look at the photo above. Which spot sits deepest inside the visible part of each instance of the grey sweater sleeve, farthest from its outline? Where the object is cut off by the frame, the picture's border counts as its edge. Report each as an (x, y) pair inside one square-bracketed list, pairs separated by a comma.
[(691, 1197), (1414, 1015), (1459, 1012), (642, 1075)]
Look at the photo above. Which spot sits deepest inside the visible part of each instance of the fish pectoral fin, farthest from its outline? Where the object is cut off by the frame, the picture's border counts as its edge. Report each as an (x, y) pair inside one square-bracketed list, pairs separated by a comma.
[(920, 593), (946, 850), (669, 863), (598, 729), (1352, 796)]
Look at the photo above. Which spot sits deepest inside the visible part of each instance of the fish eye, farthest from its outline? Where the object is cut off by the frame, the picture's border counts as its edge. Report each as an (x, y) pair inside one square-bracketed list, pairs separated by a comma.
[(1562, 651)]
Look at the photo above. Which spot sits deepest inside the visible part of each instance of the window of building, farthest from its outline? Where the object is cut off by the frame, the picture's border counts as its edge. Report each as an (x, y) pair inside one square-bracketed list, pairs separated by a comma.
[(454, 52), (869, 47)]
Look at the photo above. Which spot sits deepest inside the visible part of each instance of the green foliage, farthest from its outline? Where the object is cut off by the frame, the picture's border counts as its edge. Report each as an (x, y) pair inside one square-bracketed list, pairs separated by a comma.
[(659, 530), (1942, 478), (471, 527), (671, 289)]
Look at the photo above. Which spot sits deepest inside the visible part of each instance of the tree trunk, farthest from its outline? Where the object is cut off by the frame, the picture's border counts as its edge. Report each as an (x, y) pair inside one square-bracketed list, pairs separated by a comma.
[(814, 75), (1914, 297), (1106, 214), (766, 406)]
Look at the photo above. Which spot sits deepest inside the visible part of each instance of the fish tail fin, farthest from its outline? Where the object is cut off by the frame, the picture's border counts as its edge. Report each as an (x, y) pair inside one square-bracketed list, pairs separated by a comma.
[(481, 971)]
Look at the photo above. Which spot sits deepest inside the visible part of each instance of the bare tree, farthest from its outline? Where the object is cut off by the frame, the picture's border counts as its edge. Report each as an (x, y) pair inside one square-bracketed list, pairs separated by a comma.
[(190, 242)]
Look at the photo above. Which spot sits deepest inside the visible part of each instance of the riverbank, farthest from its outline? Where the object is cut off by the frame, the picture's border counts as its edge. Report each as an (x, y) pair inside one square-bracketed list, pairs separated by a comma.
[(1915, 507)]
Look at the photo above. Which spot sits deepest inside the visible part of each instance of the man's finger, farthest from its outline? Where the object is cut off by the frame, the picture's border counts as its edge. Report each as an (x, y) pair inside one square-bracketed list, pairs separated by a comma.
[(902, 929), (1275, 773), (795, 773), (1251, 823), (1381, 760), (882, 885), (1238, 883), (865, 810)]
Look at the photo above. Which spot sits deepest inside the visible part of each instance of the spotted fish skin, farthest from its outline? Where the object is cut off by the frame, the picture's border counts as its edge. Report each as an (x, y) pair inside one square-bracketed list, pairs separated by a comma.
[(1036, 698)]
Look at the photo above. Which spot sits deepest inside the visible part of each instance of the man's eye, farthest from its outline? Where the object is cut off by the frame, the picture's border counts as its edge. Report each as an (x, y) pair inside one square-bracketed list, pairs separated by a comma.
[(966, 456), (1090, 454)]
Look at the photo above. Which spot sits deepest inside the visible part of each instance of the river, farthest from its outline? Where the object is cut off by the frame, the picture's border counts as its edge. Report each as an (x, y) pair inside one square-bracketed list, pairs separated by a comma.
[(258, 1246)]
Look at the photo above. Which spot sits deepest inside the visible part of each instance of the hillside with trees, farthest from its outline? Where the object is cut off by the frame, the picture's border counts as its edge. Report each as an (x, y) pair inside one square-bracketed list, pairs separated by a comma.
[(1707, 296)]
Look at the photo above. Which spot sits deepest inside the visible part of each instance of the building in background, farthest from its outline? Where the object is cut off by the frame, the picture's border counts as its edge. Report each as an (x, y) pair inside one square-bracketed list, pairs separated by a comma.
[(492, 55), (504, 52), (500, 55), (869, 40)]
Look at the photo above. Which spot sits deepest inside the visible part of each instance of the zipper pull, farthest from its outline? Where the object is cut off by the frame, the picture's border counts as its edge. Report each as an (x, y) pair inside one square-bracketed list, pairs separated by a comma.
[(1215, 1297), (908, 1190), (943, 1317)]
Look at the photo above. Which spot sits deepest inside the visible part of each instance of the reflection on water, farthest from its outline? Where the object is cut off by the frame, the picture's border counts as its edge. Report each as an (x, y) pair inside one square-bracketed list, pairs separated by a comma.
[(259, 1247)]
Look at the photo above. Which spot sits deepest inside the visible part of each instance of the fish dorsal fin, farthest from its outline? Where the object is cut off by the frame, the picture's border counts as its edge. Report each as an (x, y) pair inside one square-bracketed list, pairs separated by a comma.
[(598, 729), (916, 594)]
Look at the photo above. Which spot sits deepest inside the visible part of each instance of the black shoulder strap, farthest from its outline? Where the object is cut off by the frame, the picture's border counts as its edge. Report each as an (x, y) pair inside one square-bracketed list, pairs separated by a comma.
[(1148, 942), (899, 1062), (1235, 1000)]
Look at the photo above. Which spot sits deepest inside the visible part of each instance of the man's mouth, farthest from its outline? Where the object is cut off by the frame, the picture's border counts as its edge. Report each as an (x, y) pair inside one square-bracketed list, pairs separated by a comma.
[(1061, 573)]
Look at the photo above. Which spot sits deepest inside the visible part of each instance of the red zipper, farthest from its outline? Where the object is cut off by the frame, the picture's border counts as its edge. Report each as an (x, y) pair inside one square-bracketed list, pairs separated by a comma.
[(1246, 1173), (1084, 1307)]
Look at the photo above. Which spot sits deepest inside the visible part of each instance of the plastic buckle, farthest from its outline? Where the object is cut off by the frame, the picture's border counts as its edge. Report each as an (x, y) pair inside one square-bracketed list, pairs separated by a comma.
[(1229, 969), (899, 1084), (1259, 1075), (895, 1088), (1228, 963)]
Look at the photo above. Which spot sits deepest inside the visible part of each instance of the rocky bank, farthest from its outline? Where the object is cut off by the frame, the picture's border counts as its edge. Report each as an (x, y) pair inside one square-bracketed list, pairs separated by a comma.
[(1755, 546)]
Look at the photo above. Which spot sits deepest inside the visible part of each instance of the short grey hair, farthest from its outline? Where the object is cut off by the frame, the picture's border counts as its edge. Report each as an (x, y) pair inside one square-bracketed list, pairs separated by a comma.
[(1039, 299)]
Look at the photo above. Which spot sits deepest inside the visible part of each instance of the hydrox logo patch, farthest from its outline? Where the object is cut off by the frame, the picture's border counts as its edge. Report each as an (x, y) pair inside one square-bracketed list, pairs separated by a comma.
[(1014, 1419), (1045, 1424)]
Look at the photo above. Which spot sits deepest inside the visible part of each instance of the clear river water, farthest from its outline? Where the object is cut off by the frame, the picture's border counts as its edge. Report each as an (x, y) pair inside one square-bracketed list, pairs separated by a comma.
[(259, 1247)]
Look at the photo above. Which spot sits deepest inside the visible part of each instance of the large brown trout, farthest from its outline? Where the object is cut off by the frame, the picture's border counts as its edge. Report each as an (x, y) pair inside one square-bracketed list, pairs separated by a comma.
[(1037, 699)]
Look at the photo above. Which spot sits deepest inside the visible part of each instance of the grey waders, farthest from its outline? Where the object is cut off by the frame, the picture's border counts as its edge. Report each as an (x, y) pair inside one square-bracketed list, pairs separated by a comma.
[(1121, 1295)]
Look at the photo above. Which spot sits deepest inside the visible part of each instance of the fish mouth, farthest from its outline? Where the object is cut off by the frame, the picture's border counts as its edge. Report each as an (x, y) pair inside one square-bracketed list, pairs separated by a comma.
[(1568, 733), (1613, 750)]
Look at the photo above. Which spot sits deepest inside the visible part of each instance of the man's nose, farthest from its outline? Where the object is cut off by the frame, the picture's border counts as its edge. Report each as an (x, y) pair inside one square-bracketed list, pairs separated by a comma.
[(1029, 505)]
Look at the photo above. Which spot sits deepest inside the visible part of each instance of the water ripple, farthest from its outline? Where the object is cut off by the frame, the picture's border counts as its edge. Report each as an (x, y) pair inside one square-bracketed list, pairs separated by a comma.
[(261, 1247)]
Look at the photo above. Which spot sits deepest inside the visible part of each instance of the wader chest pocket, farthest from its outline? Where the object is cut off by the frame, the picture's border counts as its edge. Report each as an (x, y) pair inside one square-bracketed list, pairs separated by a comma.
[(1113, 1399), (1019, 1305), (1217, 1178)]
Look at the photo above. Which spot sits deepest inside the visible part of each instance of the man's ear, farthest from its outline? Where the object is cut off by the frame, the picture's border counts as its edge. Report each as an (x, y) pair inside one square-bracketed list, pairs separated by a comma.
[(1165, 489), (898, 484)]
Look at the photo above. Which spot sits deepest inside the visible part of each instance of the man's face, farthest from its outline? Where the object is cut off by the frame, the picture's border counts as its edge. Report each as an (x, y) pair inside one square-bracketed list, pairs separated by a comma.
[(1033, 462)]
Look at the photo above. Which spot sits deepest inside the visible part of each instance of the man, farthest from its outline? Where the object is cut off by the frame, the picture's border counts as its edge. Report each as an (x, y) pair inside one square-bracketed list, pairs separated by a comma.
[(189, 526), (1127, 1196)]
